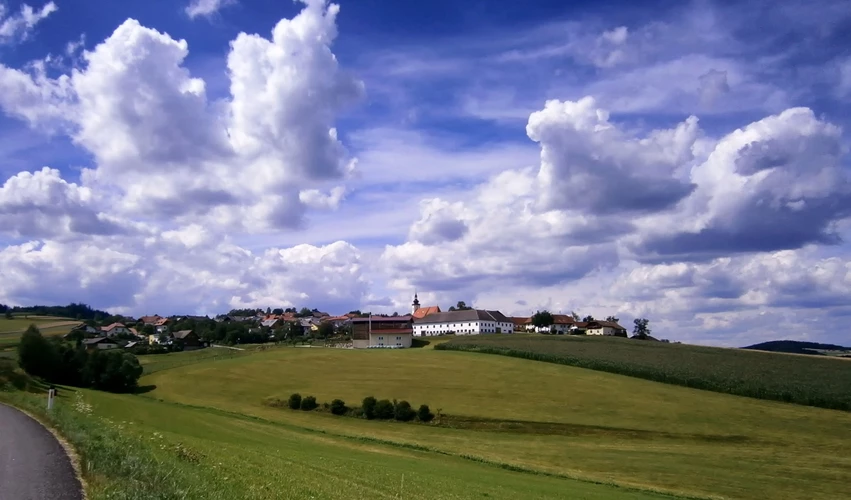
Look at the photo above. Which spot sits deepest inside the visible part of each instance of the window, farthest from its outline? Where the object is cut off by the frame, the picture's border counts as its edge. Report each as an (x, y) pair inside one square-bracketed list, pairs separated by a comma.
[(380, 338), (398, 338)]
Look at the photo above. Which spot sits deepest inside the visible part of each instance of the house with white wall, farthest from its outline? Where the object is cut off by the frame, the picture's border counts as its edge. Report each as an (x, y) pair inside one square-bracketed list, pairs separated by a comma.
[(609, 328), (465, 322)]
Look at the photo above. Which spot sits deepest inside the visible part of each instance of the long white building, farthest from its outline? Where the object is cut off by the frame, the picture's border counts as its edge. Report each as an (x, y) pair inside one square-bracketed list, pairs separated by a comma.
[(466, 322)]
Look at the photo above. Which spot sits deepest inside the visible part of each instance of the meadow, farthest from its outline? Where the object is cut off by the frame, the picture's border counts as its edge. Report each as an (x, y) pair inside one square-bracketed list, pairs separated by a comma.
[(12, 329), (541, 418), (816, 381), (134, 447)]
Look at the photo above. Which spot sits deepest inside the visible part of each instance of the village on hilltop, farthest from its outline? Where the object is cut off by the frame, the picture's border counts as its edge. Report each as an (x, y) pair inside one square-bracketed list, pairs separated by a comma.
[(154, 333)]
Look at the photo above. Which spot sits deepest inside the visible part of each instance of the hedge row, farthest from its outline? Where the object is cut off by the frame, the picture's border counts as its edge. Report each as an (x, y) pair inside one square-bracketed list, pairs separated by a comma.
[(370, 408)]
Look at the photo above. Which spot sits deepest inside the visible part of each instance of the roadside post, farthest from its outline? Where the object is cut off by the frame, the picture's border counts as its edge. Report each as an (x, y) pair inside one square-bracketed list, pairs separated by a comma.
[(51, 393)]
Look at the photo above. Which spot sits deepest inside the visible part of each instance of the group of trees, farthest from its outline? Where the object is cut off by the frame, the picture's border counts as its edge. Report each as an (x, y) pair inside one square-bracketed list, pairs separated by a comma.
[(460, 306), (65, 363), (370, 408)]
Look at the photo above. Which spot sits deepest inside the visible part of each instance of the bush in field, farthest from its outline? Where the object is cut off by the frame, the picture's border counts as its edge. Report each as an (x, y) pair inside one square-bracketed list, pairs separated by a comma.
[(403, 411), (308, 403), (368, 407), (424, 414), (295, 401), (384, 409), (338, 407)]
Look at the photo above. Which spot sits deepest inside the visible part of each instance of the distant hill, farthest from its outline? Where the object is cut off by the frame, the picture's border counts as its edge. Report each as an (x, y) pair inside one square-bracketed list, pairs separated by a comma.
[(796, 347)]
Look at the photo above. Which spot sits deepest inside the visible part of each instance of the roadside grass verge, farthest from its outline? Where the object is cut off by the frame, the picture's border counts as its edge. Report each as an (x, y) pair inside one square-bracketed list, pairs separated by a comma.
[(810, 381)]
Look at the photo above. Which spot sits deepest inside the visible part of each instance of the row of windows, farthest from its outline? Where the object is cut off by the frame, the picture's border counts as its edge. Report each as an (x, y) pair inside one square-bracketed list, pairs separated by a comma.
[(382, 338)]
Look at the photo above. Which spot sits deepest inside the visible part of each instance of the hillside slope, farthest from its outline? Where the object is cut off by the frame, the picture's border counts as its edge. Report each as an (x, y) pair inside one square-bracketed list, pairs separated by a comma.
[(544, 417)]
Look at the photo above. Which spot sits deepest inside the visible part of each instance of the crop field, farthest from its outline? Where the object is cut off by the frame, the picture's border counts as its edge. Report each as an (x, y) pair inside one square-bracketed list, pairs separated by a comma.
[(542, 418), (11, 329), (806, 380)]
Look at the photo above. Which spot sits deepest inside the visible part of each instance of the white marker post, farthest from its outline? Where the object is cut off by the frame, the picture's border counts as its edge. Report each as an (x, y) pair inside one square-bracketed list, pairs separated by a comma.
[(51, 393)]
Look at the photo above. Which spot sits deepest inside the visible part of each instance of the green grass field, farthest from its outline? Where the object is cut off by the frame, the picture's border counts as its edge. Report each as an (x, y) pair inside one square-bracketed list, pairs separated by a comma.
[(817, 381), (604, 427), (515, 429)]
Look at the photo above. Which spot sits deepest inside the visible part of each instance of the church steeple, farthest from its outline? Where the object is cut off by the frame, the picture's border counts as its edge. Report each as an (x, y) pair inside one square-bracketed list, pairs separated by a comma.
[(416, 304)]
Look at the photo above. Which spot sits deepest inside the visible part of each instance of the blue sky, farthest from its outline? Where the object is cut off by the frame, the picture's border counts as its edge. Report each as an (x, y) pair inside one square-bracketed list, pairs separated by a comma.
[(681, 161)]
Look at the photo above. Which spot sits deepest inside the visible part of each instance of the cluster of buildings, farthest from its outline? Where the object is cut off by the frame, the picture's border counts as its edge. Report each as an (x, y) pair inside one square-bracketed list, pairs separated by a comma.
[(399, 331), (367, 332), (118, 335)]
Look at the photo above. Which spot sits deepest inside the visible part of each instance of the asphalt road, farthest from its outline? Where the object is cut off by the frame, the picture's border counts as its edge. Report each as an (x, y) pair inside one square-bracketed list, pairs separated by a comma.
[(33, 465)]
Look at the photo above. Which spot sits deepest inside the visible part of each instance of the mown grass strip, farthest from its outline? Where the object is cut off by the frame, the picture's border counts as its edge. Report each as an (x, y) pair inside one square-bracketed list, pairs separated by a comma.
[(824, 383)]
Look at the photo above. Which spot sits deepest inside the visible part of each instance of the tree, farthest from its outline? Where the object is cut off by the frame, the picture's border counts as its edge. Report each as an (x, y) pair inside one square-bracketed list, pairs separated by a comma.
[(304, 312), (575, 315), (424, 414), (294, 402), (308, 403), (612, 319), (277, 311), (588, 319), (268, 310), (368, 406), (326, 329), (403, 412), (542, 319), (36, 355), (384, 409), (8, 315), (356, 312), (338, 407), (113, 371), (641, 330)]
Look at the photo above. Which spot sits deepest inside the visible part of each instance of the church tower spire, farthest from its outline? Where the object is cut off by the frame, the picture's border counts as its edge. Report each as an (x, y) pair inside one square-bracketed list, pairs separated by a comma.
[(416, 304)]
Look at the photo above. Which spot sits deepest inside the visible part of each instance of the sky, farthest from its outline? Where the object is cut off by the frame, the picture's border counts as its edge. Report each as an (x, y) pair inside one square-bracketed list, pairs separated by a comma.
[(685, 162)]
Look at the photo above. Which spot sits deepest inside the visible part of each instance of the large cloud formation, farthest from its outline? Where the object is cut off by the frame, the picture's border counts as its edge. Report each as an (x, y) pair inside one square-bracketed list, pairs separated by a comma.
[(717, 237), (164, 151)]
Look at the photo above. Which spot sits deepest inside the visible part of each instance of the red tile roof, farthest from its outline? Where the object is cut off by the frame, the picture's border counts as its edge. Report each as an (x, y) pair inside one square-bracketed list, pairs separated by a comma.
[(114, 325), (422, 312)]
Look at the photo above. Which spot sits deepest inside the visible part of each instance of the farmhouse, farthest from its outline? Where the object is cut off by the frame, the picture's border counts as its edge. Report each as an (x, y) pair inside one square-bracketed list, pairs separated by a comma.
[(604, 328), (189, 338), (382, 331), (99, 343), (115, 329), (465, 322)]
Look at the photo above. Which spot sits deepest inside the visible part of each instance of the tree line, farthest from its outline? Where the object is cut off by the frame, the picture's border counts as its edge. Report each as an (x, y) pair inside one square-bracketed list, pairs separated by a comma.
[(65, 363), (72, 310)]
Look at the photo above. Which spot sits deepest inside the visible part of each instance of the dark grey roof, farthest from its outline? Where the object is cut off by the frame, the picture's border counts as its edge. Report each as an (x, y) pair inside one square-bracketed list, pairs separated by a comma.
[(182, 334), (465, 315), (96, 340)]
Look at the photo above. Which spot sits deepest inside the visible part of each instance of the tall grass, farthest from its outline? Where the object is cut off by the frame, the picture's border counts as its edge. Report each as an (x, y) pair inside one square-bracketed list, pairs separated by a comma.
[(117, 464), (824, 383)]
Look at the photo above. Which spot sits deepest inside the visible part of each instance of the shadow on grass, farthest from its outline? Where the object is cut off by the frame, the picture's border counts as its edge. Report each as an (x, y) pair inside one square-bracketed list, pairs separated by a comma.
[(142, 389), (419, 343)]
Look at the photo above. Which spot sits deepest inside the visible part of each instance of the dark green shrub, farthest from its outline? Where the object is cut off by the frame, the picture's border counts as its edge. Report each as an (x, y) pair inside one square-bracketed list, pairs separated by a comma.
[(384, 409), (368, 407), (403, 411), (338, 407), (36, 355), (308, 403), (424, 414), (295, 401)]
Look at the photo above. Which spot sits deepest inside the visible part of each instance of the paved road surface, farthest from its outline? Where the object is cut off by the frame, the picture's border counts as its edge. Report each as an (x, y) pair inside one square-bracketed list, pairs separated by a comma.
[(33, 465)]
